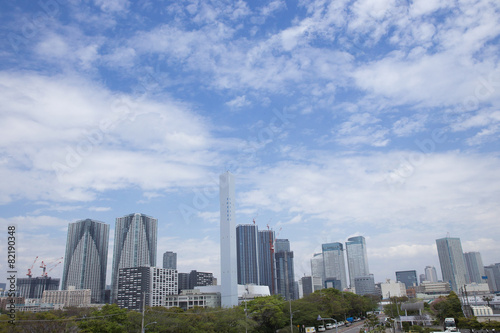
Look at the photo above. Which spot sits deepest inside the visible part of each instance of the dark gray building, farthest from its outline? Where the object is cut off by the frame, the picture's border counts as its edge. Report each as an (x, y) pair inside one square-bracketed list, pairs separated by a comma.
[(247, 254), (170, 260), (284, 269), (365, 285), (409, 278), (86, 258), (33, 287), (183, 282), (200, 279), (493, 276), (267, 266)]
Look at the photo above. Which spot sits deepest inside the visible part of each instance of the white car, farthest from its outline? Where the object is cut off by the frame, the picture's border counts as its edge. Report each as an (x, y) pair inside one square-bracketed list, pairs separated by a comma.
[(329, 326), (321, 328)]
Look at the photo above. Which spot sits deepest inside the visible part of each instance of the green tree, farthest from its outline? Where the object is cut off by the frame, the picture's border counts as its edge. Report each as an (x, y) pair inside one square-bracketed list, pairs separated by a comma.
[(110, 319), (267, 312), (447, 307)]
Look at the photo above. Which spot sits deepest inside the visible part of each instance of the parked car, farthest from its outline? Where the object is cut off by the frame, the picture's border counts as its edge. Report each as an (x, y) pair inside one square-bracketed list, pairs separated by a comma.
[(321, 328), (329, 326)]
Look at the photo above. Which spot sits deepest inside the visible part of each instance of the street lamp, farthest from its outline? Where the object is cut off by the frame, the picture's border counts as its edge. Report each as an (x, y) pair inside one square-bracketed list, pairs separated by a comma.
[(336, 325), (144, 329)]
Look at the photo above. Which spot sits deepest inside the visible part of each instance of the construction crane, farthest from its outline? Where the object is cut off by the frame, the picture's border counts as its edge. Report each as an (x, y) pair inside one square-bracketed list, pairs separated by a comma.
[(53, 263), (29, 269), (271, 250)]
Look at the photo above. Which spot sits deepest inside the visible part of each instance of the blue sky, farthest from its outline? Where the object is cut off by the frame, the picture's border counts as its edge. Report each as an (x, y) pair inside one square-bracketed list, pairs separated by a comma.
[(373, 117)]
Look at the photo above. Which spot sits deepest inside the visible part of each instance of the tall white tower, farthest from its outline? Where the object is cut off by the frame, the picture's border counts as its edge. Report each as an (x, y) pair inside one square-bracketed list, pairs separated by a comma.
[(228, 262)]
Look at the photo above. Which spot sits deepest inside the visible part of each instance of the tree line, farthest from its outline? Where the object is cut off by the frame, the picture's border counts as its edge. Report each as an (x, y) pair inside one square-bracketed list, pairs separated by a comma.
[(262, 314)]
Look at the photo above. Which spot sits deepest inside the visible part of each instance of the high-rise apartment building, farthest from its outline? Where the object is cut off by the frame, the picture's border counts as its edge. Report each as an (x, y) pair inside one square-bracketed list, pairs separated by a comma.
[(247, 251), (493, 277), (409, 278), (135, 245), (183, 280), (357, 259), (317, 267), (170, 260), (228, 261), (86, 258), (451, 259), (200, 279), (285, 275), (267, 267), (334, 263), (149, 284), (475, 267), (431, 274)]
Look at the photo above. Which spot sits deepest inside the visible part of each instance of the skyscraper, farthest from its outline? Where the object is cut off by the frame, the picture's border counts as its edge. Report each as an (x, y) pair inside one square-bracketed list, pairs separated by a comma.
[(228, 262), (409, 278), (357, 260), (475, 267), (451, 259), (285, 275), (267, 267), (431, 274), (317, 267), (170, 260), (135, 245), (247, 252), (334, 263), (86, 258)]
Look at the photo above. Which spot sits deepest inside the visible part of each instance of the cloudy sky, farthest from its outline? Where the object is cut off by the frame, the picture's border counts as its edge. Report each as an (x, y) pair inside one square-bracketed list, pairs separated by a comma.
[(363, 117)]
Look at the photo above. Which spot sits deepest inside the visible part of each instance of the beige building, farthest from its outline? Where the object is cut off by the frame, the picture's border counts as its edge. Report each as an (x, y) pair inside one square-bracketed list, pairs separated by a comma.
[(392, 289), (71, 297)]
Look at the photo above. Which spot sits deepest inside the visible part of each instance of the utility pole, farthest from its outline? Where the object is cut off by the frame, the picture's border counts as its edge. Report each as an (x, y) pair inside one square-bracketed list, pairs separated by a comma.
[(143, 308)]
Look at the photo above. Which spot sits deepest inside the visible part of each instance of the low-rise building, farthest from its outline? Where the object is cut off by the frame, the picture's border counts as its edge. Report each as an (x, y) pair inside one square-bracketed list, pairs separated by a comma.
[(191, 298), (392, 289), (70, 297)]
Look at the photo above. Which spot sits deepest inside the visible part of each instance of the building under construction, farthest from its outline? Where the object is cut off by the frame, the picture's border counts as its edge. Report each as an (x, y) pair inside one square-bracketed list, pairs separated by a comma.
[(33, 287)]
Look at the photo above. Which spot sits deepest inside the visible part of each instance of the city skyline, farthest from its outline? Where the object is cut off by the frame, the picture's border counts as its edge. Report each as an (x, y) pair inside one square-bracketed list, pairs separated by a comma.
[(338, 119)]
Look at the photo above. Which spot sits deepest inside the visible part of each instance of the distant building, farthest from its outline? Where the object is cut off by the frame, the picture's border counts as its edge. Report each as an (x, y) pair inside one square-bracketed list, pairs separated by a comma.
[(247, 253), (6, 301), (86, 258), (334, 263), (183, 282), (365, 285), (492, 273), (170, 260), (267, 265), (475, 267), (392, 289), (310, 284), (409, 278), (434, 288), (198, 279), (285, 275), (151, 284), (317, 266), (69, 297), (35, 286), (451, 259), (357, 259), (431, 274), (135, 245)]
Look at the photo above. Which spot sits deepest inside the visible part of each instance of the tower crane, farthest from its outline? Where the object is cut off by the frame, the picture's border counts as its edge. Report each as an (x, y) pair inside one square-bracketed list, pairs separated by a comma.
[(29, 269)]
